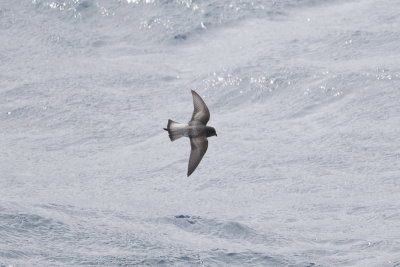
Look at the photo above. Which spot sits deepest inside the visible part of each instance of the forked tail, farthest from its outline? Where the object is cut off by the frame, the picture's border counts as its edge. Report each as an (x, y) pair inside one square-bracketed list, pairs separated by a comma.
[(175, 130)]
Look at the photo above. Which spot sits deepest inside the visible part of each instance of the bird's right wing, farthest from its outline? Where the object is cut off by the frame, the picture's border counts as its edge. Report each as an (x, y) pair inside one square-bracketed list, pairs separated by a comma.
[(199, 147), (200, 112)]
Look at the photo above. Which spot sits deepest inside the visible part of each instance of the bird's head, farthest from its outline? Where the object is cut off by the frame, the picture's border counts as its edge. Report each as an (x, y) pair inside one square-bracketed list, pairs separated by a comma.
[(211, 131)]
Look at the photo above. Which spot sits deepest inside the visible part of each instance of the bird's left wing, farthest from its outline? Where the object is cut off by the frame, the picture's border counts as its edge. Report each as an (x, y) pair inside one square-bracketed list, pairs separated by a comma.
[(200, 112), (199, 147)]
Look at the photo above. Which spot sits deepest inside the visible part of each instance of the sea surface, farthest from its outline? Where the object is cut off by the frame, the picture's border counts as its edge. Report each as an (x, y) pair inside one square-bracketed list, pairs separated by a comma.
[(305, 98)]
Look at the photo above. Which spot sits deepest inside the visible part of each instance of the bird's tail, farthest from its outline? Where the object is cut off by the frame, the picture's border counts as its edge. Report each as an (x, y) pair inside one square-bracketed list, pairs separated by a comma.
[(174, 129)]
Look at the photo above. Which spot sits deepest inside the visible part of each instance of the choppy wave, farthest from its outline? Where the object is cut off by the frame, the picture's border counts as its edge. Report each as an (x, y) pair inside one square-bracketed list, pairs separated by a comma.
[(304, 95)]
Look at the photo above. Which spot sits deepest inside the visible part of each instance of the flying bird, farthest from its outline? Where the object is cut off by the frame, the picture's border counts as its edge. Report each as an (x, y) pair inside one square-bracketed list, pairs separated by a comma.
[(197, 131)]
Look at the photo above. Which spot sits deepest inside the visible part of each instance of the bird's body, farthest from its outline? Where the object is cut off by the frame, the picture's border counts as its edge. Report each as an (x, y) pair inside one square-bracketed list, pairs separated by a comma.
[(197, 130), (188, 130)]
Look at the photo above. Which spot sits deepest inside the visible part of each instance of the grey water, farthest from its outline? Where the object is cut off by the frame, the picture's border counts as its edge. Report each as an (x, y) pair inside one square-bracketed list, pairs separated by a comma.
[(305, 97)]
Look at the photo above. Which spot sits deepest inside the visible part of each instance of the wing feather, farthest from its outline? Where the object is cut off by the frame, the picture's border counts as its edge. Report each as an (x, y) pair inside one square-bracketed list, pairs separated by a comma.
[(199, 147), (200, 112)]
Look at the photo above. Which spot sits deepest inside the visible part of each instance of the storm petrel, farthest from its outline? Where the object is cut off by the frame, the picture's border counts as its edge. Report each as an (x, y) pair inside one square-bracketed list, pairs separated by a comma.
[(197, 131)]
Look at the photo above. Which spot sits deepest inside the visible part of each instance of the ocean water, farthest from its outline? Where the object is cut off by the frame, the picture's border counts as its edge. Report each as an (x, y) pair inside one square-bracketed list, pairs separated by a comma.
[(305, 97)]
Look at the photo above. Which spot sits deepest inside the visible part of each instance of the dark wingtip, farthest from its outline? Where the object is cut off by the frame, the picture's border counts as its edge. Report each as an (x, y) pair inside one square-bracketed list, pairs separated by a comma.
[(165, 129)]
